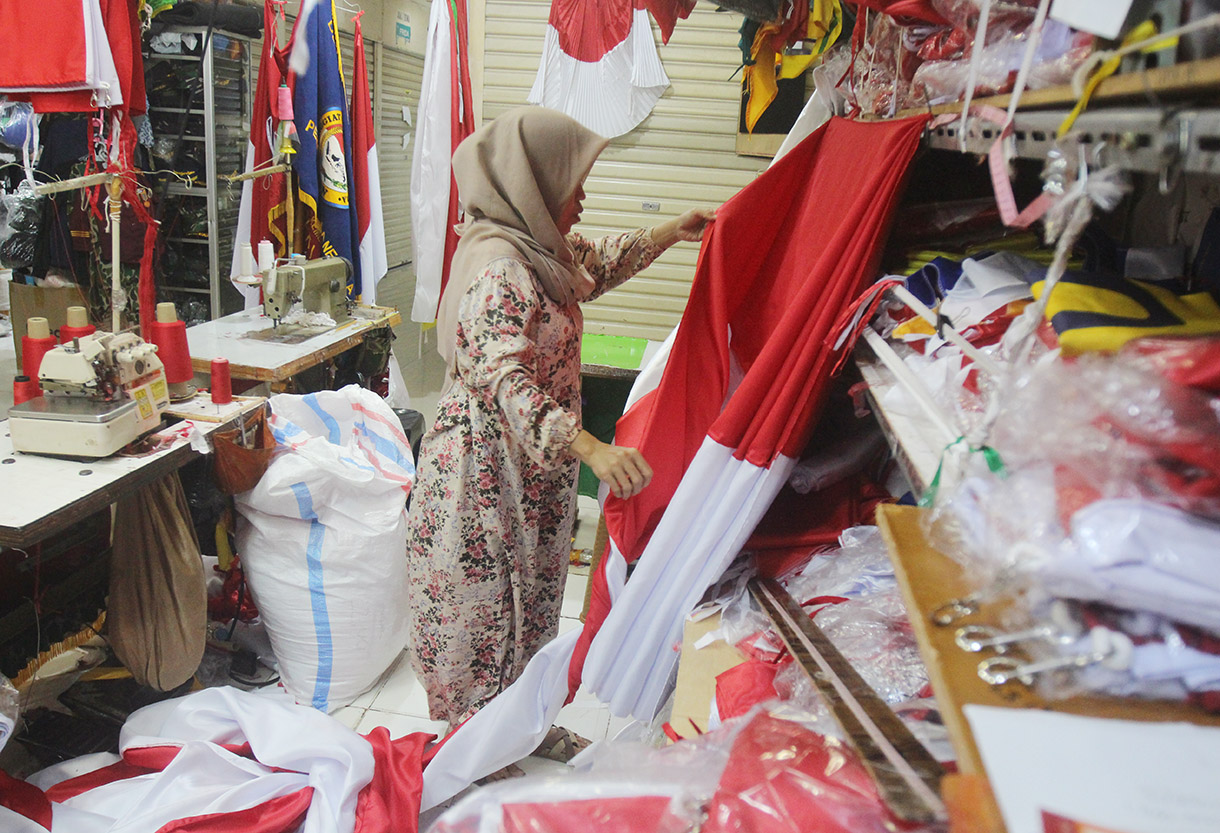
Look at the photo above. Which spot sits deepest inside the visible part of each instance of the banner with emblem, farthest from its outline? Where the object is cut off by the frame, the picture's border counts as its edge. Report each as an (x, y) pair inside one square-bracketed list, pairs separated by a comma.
[(324, 164)]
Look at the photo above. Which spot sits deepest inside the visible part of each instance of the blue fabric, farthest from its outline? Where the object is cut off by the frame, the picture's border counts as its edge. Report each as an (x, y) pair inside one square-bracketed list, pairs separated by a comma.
[(324, 164)]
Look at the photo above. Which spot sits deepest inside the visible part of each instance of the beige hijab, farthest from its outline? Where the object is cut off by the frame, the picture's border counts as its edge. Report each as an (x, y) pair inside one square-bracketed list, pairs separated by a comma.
[(514, 177)]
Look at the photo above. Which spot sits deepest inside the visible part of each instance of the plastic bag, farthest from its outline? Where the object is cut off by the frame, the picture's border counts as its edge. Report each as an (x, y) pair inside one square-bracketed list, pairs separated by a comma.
[(1059, 53), (322, 542), (624, 787), (783, 778), (20, 220), (859, 568)]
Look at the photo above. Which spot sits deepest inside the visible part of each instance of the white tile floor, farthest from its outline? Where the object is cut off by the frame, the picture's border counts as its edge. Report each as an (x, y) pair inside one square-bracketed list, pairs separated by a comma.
[(398, 701)]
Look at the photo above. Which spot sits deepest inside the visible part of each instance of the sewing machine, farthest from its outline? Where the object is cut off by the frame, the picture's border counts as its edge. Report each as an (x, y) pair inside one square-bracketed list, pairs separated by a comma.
[(320, 286), (99, 392)]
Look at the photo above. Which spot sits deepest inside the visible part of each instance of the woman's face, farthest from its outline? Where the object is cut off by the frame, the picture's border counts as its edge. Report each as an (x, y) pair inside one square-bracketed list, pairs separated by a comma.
[(570, 215)]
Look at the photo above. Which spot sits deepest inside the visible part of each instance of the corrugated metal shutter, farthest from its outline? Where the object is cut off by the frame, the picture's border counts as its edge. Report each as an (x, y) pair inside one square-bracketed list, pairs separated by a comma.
[(401, 78), (681, 156)]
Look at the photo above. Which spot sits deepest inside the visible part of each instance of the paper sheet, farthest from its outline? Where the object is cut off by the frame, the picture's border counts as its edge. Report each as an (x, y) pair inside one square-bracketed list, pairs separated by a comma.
[(1101, 17), (1120, 775)]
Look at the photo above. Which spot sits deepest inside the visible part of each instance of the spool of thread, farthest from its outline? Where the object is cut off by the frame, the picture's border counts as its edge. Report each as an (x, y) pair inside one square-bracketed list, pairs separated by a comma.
[(25, 389), (169, 334), (284, 103), (35, 344), (266, 255), (222, 385), (78, 325), (246, 260)]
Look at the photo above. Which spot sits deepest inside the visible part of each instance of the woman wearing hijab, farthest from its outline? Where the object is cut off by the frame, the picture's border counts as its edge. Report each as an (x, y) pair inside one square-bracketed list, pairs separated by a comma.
[(493, 504)]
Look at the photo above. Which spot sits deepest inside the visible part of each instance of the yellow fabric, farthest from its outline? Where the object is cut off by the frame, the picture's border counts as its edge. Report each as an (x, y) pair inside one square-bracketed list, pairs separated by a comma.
[(1194, 314), (825, 24), (1108, 67)]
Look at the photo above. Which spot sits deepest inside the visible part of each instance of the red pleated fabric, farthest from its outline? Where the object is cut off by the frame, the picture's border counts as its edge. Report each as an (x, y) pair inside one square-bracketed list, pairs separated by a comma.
[(783, 260)]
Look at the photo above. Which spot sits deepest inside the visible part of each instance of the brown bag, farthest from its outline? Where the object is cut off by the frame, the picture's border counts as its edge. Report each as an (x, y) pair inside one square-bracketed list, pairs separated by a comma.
[(238, 467), (157, 611)]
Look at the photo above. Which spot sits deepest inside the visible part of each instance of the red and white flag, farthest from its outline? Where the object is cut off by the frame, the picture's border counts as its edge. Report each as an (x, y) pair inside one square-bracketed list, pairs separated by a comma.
[(262, 214), (600, 64), (367, 175), (444, 118), (721, 423)]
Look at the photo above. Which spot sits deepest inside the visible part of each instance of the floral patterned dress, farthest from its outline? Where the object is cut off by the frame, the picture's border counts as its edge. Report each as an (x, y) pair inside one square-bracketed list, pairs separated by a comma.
[(492, 509)]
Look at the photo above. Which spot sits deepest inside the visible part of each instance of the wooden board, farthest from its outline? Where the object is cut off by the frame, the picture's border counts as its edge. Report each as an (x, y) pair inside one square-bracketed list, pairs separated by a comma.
[(928, 579), (43, 495), (264, 361)]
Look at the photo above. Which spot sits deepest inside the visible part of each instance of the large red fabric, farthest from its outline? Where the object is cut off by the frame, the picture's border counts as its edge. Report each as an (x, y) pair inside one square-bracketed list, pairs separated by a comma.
[(43, 45), (25, 799), (911, 9), (269, 193), (390, 802), (588, 29), (784, 258), (666, 13), (122, 22), (362, 134)]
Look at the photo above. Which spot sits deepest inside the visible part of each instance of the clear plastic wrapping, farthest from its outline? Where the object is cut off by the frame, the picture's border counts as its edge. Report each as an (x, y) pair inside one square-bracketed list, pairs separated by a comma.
[(859, 567), (1059, 53)]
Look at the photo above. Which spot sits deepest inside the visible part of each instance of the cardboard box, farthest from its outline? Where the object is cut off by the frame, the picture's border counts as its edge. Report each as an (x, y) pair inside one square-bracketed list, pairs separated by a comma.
[(50, 302), (697, 671)]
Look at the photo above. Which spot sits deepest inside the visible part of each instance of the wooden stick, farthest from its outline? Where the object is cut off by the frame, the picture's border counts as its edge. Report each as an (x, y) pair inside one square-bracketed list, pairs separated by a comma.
[(261, 172), (116, 283), (73, 184)]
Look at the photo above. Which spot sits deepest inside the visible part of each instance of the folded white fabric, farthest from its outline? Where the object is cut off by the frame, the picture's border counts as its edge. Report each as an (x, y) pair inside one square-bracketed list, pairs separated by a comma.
[(987, 285)]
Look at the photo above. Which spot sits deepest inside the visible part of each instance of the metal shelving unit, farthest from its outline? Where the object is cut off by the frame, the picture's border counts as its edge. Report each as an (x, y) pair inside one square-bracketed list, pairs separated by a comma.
[(217, 123)]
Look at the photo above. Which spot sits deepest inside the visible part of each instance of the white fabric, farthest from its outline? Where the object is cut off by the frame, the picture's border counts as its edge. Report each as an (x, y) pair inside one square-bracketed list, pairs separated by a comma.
[(204, 778), (430, 166), (250, 294), (507, 729), (610, 96), (298, 60), (988, 285), (714, 510), (1141, 555), (322, 542), (373, 260)]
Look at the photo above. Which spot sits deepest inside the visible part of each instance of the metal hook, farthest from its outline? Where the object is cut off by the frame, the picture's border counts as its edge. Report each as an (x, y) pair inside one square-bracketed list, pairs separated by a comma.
[(1104, 646), (955, 609)]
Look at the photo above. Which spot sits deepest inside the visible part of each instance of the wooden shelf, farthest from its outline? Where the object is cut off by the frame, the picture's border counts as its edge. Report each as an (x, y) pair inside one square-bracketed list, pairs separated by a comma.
[(928, 579)]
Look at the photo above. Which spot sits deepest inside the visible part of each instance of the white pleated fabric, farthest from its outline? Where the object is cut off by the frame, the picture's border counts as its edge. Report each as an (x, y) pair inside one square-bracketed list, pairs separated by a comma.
[(610, 96), (430, 165)]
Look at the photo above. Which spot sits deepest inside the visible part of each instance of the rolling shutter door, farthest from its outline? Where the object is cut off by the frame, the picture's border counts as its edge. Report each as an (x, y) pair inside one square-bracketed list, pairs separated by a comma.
[(682, 156)]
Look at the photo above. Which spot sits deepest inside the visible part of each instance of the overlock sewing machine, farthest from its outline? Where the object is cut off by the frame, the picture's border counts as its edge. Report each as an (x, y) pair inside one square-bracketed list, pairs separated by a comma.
[(99, 393), (318, 285)]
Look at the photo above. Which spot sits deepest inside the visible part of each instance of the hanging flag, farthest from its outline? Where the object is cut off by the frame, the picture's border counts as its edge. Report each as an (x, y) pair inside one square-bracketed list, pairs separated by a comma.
[(444, 118), (600, 65), (262, 212), (370, 235), (747, 374), (323, 167)]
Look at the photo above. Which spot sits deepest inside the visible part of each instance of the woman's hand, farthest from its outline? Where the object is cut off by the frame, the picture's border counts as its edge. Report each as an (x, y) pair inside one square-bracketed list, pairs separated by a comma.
[(624, 470), (688, 227)]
